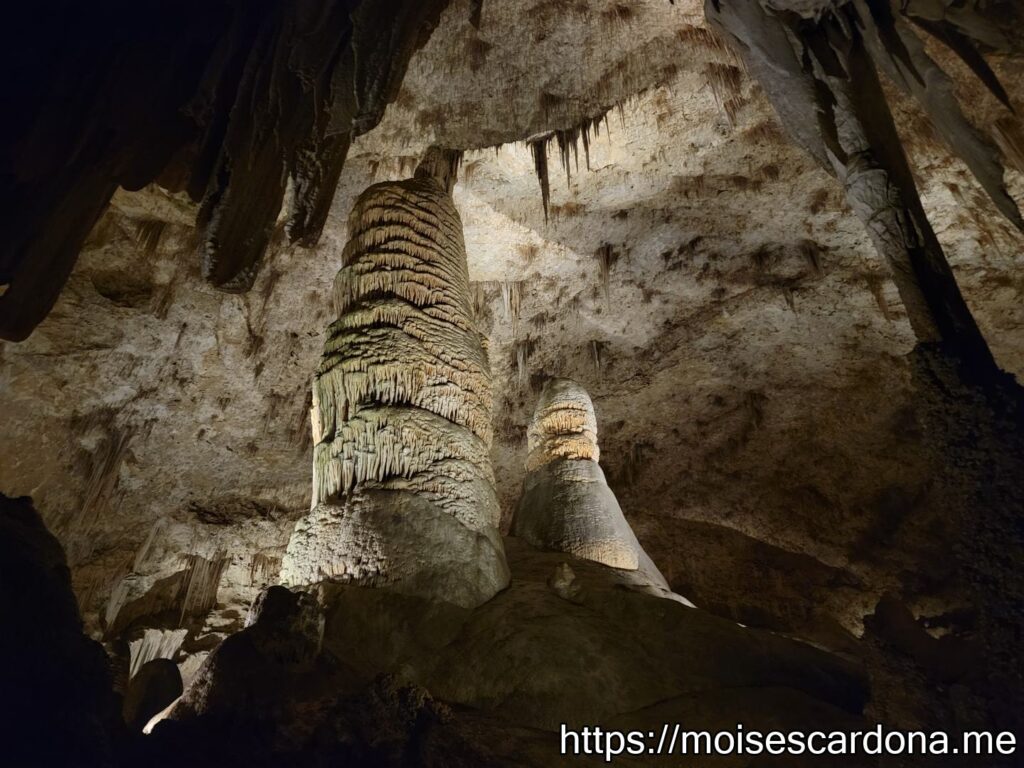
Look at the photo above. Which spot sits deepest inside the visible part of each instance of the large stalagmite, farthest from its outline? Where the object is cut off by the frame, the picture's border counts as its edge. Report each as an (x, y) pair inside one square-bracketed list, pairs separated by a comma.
[(403, 490), (566, 503)]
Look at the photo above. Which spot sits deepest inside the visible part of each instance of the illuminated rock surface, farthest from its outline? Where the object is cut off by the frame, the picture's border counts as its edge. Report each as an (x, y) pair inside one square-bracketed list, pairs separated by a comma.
[(403, 490), (566, 504)]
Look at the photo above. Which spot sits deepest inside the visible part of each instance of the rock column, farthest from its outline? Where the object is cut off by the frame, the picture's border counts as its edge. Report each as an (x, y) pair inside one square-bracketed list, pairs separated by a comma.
[(403, 489)]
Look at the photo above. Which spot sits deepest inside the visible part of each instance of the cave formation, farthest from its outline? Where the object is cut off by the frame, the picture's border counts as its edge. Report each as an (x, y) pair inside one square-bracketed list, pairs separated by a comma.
[(566, 504), (403, 489), (302, 374)]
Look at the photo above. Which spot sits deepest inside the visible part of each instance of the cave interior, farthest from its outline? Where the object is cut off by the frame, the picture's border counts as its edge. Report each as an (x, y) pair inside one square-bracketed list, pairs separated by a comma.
[(403, 382)]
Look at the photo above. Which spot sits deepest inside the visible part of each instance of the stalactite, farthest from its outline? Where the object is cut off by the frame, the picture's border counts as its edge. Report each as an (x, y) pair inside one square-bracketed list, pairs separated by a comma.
[(568, 210), (144, 550), (568, 141), (529, 252), (100, 490), (539, 148), (148, 234), (154, 644), (263, 569), (619, 13), (198, 592), (766, 132), (115, 602), (574, 305), (819, 72), (726, 83), (811, 253), (596, 356), (568, 150), (479, 302), (234, 102), (606, 259), (96, 588), (512, 299), (521, 351), (900, 53), (690, 187), (706, 38)]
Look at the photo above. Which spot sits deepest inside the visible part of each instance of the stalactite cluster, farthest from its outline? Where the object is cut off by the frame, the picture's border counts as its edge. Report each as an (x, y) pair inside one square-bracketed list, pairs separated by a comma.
[(521, 351), (568, 141), (263, 569), (402, 400), (819, 69), (226, 100), (512, 299), (198, 593), (154, 644), (726, 83), (606, 256)]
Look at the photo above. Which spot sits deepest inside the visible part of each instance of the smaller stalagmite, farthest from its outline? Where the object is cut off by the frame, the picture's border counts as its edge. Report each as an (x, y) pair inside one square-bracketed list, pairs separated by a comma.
[(566, 503), (403, 489)]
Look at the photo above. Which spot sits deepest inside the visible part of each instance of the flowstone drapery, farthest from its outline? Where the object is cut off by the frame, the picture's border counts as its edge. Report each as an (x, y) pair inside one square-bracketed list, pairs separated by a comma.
[(403, 489), (566, 503)]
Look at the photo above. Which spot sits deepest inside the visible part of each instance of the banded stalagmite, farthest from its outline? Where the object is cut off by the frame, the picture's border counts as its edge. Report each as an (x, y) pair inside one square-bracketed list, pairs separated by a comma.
[(403, 489), (566, 504)]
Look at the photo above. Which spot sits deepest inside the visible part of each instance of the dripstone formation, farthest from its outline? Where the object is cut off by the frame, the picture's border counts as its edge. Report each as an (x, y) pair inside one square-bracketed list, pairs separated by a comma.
[(819, 67), (227, 101), (566, 504), (403, 490)]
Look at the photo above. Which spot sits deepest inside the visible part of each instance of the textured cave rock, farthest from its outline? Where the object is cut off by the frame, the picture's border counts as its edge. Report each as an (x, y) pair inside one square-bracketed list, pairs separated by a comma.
[(229, 101), (290, 686), (818, 66), (317, 76), (566, 504), (997, 26), (59, 705), (977, 440), (403, 490)]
